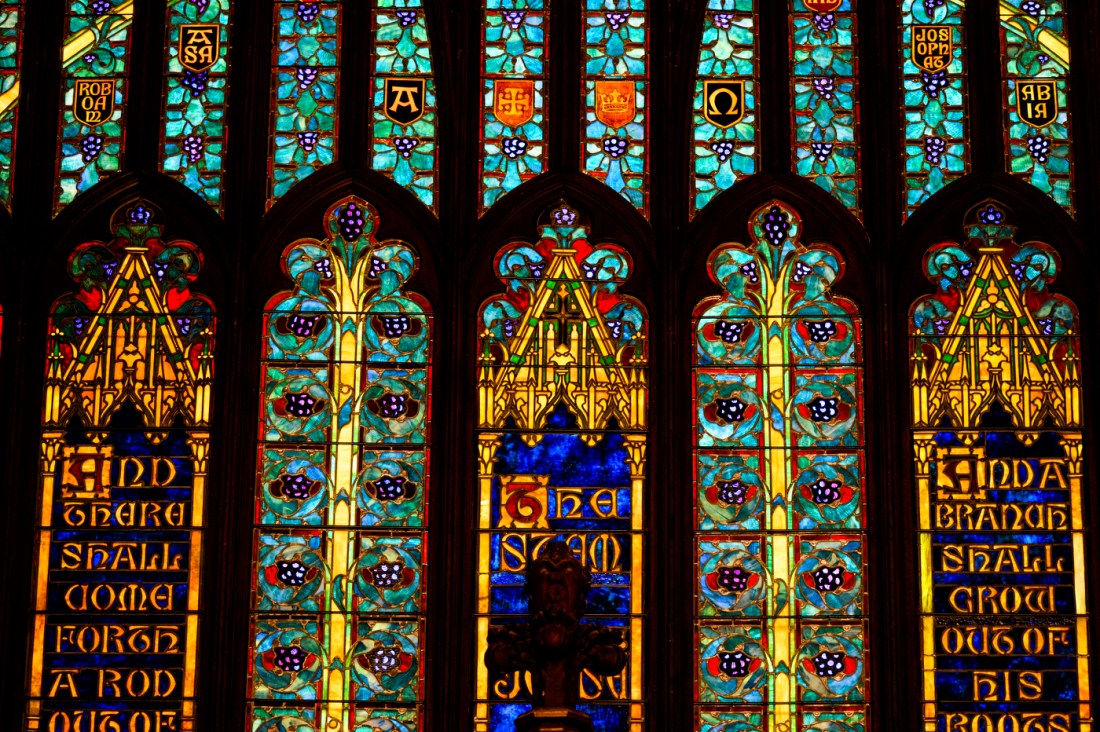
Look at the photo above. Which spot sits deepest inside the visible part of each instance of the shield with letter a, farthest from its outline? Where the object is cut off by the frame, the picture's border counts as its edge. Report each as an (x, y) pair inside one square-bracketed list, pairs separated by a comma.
[(404, 100), (723, 102), (1037, 102), (93, 101), (514, 101), (616, 105), (199, 45), (933, 47)]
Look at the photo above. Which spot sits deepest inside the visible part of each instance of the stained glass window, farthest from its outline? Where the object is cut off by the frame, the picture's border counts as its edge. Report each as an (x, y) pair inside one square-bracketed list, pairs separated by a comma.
[(780, 629), (95, 60), (562, 383), (305, 88), (405, 112), (514, 130), (195, 96), (125, 449), (11, 56), (341, 496), (934, 86), (1035, 52), (825, 96), (725, 147), (998, 448), (616, 91)]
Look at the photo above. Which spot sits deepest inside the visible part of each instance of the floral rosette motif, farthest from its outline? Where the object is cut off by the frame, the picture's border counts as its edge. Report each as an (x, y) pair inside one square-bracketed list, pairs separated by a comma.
[(297, 405), (284, 720), (826, 412), (300, 328), (728, 333), (292, 574), (387, 575), (394, 408), (823, 332), (728, 723), (733, 582), (288, 660), (734, 667), (388, 490), (398, 326), (386, 724), (730, 493), (826, 495), (295, 486), (730, 412), (830, 580), (385, 665), (830, 666)]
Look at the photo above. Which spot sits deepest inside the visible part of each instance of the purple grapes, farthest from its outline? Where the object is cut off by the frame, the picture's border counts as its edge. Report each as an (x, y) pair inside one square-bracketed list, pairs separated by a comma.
[(991, 215), (1032, 8), (514, 147), (305, 76), (352, 221), (90, 147), (405, 146), (821, 150), (735, 665), (828, 665), (562, 216), (308, 140), (392, 406), (290, 658), (1039, 147), (292, 574), (825, 87), (723, 149), (301, 405), (730, 410), (296, 487), (139, 214), (99, 7), (824, 22), (614, 146), (749, 271), (389, 488), (933, 83), (382, 659), (386, 574), (723, 20), (200, 5), (825, 491), (514, 18), (377, 267), (801, 271), (194, 147), (821, 331), (824, 410), (776, 227), (307, 12), (617, 19), (396, 326), (930, 6), (729, 332), (324, 266), (195, 82), (406, 17), (733, 579), (732, 492), (934, 148), (828, 579)]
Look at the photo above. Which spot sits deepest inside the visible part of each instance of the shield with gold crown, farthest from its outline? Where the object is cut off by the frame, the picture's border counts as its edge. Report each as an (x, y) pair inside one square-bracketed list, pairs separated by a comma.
[(616, 104)]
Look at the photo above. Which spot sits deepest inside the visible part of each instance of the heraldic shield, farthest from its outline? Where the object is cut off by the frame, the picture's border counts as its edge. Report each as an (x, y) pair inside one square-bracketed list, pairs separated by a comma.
[(199, 45), (933, 47), (723, 102), (93, 101), (616, 104), (821, 6), (1037, 102), (404, 100), (514, 101)]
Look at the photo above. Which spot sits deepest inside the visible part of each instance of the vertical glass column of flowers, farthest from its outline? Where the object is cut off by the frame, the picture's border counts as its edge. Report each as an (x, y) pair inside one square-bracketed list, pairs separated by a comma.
[(824, 97), (305, 88), (341, 509), (1035, 53), (195, 96), (95, 61), (615, 144), (725, 148), (934, 88), (780, 636), (405, 112), (514, 134), (11, 56)]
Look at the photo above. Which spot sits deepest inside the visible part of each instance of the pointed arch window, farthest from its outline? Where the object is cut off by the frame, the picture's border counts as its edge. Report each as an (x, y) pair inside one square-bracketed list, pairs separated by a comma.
[(11, 61), (341, 497), (781, 627), (95, 60), (125, 448), (725, 148), (825, 97), (515, 75), (934, 89), (999, 461), (562, 439), (615, 143), (196, 96)]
